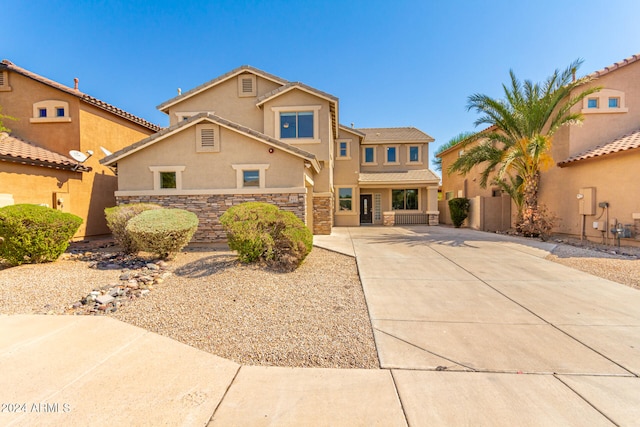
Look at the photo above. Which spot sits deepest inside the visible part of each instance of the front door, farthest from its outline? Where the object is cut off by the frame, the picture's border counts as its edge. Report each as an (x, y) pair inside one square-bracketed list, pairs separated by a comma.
[(366, 209)]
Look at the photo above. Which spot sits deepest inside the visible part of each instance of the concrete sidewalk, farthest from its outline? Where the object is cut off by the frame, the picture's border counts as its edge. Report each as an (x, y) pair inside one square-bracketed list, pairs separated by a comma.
[(471, 328)]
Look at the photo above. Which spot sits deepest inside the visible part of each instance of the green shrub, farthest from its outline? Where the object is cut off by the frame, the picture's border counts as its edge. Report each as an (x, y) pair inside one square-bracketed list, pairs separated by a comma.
[(117, 218), (162, 231), (261, 231), (459, 208), (32, 234)]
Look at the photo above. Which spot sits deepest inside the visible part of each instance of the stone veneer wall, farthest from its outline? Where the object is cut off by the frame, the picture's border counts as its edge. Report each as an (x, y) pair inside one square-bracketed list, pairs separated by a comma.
[(210, 207), (322, 214)]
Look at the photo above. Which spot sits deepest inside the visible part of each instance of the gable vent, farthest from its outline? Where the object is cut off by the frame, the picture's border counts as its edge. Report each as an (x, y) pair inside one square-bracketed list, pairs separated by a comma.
[(247, 85), (207, 138), (2, 78)]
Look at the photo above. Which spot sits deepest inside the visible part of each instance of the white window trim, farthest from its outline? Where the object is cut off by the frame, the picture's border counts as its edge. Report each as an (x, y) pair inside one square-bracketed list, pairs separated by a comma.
[(316, 123), (354, 210), (603, 102), (261, 167), (364, 157), (386, 162), (51, 106), (156, 176), (254, 92), (348, 156), (419, 161)]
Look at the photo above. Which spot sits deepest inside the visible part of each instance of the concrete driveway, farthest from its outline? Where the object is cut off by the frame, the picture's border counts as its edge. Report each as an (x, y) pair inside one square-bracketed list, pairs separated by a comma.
[(479, 329), (471, 329)]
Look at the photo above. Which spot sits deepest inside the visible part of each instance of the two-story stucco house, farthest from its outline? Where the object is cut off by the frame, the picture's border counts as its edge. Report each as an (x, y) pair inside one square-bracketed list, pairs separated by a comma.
[(251, 136), (52, 120), (595, 182)]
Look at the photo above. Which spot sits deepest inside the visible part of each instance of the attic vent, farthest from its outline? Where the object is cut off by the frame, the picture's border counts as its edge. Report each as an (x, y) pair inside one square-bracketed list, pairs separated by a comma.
[(247, 85), (1, 78), (207, 138), (4, 81)]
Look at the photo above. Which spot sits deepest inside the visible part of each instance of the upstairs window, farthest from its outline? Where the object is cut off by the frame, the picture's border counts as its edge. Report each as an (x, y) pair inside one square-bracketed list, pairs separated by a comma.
[(369, 155), (414, 154), (296, 124), (605, 101), (50, 111), (344, 150), (391, 154)]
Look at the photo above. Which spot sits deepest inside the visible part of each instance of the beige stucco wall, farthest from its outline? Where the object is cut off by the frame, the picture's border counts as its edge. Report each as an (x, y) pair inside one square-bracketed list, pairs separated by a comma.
[(209, 171), (463, 185), (223, 100), (34, 184)]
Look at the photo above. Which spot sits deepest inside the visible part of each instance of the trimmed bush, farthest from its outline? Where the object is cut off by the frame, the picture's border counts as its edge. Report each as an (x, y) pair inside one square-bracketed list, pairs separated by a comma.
[(32, 234), (262, 232), (163, 232), (117, 219), (459, 208)]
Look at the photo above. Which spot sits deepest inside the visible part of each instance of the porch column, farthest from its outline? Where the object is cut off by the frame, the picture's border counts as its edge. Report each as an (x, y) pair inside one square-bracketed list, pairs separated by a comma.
[(432, 205)]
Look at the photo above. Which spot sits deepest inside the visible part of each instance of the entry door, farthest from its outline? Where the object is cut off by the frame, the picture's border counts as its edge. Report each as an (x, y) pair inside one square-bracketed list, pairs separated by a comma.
[(366, 209)]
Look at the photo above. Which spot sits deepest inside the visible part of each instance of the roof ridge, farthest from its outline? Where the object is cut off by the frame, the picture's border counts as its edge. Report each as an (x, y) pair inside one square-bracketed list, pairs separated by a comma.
[(6, 64)]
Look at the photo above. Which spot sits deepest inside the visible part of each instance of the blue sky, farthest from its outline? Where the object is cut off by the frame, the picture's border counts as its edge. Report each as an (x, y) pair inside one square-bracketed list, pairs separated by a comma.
[(391, 63)]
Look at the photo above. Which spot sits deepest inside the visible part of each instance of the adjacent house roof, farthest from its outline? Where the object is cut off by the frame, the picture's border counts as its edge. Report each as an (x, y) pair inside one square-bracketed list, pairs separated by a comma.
[(421, 176), (17, 150), (352, 130), (615, 66), (629, 141), (196, 90), (164, 133), (386, 135), (8, 65)]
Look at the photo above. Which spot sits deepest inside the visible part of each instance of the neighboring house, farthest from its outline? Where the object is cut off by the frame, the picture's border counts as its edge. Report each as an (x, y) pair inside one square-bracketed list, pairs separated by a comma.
[(52, 120), (250, 135), (595, 183)]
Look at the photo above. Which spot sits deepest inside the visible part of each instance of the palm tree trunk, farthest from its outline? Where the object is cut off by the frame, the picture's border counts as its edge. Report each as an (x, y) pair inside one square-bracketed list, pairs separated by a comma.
[(528, 223)]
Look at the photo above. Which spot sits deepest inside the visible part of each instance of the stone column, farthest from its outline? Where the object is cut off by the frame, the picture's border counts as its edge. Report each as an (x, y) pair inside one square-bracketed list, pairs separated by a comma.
[(322, 213)]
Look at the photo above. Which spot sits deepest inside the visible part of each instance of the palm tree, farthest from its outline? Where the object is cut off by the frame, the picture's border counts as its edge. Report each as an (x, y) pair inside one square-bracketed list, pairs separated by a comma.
[(3, 117), (517, 144), (437, 161)]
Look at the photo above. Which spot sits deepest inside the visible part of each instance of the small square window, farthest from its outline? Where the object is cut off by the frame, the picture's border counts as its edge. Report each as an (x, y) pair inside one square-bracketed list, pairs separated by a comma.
[(59, 112), (391, 155), (414, 154), (251, 178), (592, 103), (343, 149), (168, 180), (614, 102), (345, 199), (369, 155), (42, 112)]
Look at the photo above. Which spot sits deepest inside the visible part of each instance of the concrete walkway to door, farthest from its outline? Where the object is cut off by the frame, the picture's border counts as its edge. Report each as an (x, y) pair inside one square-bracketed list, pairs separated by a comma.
[(480, 329)]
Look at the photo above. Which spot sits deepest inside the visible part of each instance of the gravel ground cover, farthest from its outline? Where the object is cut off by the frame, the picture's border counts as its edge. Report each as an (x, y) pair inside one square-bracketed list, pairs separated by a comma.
[(315, 316)]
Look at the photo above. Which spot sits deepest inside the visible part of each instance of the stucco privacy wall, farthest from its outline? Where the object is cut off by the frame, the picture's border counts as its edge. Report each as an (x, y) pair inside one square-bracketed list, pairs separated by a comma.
[(209, 208)]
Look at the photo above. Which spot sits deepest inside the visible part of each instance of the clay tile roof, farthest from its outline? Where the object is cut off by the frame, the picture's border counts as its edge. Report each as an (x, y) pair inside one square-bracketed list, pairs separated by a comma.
[(8, 65), (410, 176), (17, 150), (629, 141), (615, 66), (401, 134)]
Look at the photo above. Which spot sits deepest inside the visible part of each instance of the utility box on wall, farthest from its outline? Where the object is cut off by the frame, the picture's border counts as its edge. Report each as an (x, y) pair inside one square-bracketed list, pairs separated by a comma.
[(587, 203)]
